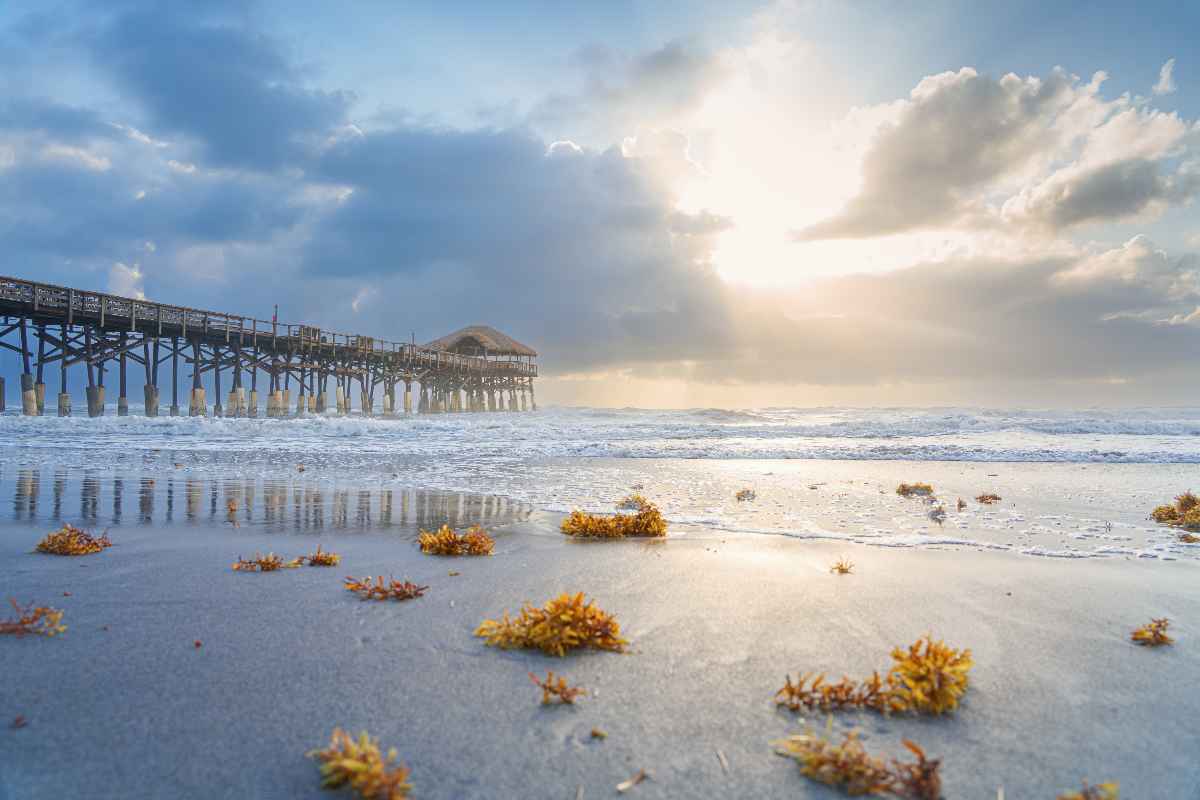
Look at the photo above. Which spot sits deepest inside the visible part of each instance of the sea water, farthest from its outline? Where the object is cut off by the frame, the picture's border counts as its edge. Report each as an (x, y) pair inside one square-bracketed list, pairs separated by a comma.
[(1075, 483)]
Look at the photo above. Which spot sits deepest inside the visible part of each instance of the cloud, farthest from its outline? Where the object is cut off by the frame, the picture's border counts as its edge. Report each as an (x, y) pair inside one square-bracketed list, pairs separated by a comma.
[(621, 94), (1166, 79), (229, 89), (970, 151)]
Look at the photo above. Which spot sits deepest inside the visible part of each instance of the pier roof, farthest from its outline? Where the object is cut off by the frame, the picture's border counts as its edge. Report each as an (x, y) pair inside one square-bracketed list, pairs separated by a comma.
[(475, 338)]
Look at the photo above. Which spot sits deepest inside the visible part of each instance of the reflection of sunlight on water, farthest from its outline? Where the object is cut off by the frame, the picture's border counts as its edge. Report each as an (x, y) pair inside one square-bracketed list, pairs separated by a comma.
[(96, 499)]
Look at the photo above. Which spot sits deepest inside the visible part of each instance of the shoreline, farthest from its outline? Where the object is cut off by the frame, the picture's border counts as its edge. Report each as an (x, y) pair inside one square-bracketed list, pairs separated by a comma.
[(715, 622)]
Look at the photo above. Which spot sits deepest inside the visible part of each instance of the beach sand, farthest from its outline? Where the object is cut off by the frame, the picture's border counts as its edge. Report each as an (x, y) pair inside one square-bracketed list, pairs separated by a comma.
[(124, 705)]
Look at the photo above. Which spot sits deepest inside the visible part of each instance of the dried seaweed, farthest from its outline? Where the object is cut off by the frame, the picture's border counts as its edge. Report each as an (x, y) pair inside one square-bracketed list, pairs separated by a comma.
[(446, 542), (849, 767), (565, 623), (31, 619), (842, 566), (599, 734), (71, 541), (915, 490), (1184, 513), (360, 765), (268, 563), (927, 678), (1109, 790), (988, 499), (378, 590), (812, 692), (962, 504), (552, 688), (321, 559), (919, 780), (745, 494), (846, 766), (938, 515), (1152, 634), (930, 677), (648, 521)]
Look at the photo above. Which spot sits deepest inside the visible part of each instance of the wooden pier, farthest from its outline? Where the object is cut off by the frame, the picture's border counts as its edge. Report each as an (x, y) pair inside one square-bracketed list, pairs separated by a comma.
[(474, 369)]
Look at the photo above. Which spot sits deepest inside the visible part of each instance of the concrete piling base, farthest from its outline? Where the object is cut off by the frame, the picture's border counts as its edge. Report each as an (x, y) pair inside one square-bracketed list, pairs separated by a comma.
[(252, 405), (28, 396), (64, 405), (1, 395), (365, 404), (95, 401), (339, 397), (198, 406), (301, 405), (122, 406), (408, 401), (322, 402), (39, 391), (150, 394), (233, 404), (312, 404), (174, 410)]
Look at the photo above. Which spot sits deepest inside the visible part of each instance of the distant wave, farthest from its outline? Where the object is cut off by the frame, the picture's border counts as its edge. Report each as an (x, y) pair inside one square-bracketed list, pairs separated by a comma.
[(945, 434)]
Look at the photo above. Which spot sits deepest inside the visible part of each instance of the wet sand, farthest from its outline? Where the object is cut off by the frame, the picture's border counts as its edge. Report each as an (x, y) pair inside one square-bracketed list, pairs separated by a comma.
[(123, 704)]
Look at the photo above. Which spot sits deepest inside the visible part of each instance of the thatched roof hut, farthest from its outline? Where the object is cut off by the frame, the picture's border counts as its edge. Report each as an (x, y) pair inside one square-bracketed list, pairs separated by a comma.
[(481, 340)]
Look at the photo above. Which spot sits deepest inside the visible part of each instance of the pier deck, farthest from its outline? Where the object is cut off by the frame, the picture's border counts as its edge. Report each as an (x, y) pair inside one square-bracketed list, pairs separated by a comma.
[(61, 327)]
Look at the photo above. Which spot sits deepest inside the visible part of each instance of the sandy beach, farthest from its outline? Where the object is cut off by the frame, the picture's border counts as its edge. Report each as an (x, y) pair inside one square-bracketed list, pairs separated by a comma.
[(124, 704)]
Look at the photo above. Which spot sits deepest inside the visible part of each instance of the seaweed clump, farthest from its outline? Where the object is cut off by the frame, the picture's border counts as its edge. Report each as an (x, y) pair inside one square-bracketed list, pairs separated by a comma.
[(552, 688), (931, 677), (359, 764), (1109, 790), (31, 619), (268, 563), (321, 559), (745, 494), (565, 623), (1183, 513), (849, 767), (988, 499), (447, 542), (71, 541), (927, 678), (915, 490), (647, 521), (378, 590), (842, 566), (1152, 634)]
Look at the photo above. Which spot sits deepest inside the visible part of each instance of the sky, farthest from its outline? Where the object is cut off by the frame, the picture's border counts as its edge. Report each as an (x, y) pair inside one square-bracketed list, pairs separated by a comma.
[(695, 204)]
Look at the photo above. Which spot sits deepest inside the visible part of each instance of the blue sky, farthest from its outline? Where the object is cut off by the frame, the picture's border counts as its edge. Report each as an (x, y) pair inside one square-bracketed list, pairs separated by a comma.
[(727, 203)]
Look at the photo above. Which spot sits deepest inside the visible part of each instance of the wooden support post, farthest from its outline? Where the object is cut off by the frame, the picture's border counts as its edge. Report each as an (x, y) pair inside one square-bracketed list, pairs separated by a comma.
[(217, 410), (198, 404), (95, 392), (175, 375), (150, 387), (301, 400), (64, 398), (39, 384), (252, 406), (28, 393), (322, 398), (123, 396)]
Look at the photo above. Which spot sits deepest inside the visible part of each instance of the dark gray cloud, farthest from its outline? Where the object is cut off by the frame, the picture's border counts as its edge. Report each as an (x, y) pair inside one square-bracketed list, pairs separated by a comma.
[(230, 89)]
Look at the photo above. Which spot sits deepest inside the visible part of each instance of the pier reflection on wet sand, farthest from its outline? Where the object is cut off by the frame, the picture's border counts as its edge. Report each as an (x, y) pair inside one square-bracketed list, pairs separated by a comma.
[(292, 504)]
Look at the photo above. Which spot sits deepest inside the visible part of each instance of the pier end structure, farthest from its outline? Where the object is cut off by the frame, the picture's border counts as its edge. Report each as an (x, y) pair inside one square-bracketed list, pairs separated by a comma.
[(62, 327)]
